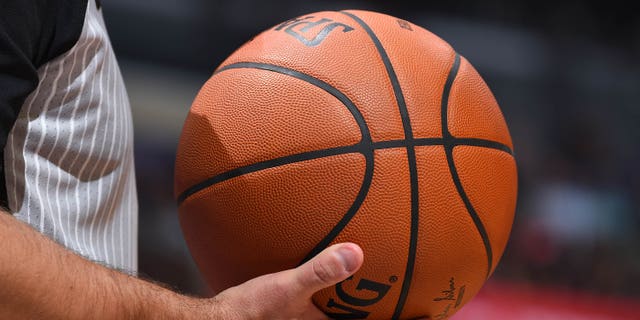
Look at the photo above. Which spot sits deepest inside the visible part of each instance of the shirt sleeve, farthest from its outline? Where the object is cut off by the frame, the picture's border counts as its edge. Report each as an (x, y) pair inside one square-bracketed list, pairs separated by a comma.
[(32, 32)]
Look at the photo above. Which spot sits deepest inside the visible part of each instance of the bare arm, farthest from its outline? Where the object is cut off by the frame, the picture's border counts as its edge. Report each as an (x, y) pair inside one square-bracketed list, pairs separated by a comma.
[(39, 279)]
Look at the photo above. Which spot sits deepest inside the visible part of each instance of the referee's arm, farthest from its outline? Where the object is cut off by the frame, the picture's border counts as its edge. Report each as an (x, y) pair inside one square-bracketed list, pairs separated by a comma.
[(39, 279)]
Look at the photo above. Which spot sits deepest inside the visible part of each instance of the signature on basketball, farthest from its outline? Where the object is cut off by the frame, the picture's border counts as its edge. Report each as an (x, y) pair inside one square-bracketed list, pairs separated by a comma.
[(452, 296)]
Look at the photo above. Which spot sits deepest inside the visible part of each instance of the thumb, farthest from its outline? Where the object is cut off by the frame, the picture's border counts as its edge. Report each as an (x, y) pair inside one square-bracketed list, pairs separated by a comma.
[(332, 265)]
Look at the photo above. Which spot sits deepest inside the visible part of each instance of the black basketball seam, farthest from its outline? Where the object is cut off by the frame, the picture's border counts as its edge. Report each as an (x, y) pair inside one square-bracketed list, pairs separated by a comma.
[(388, 144), (449, 144), (411, 158), (299, 157), (357, 115), (482, 143), (305, 156), (364, 147), (472, 142)]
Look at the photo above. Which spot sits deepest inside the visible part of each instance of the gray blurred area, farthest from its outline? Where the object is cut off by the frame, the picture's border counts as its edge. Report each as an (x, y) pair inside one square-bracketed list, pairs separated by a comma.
[(566, 76)]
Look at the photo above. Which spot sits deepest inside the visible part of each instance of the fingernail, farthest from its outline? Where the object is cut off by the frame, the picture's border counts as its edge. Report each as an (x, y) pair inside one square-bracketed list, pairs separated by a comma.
[(349, 257)]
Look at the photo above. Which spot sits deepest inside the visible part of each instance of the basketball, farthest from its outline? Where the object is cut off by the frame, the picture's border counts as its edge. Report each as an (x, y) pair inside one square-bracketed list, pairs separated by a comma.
[(349, 126)]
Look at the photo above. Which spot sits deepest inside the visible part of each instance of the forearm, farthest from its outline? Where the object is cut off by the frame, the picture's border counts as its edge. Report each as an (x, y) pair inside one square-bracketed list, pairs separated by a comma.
[(39, 279)]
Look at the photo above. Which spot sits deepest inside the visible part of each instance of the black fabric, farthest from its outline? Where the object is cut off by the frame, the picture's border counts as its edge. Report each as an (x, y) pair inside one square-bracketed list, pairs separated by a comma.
[(32, 32)]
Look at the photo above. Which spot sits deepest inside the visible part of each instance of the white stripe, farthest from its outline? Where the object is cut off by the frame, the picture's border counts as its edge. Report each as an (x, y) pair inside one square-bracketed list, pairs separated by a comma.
[(43, 123), (33, 98), (131, 212), (133, 233), (102, 105), (110, 230), (126, 165), (36, 154), (125, 181), (84, 249), (108, 214), (70, 138), (53, 148), (77, 185), (129, 225), (132, 209), (125, 207)]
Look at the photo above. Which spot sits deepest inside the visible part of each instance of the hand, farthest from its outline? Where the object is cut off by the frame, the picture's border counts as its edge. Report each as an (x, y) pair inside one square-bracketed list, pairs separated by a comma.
[(287, 294)]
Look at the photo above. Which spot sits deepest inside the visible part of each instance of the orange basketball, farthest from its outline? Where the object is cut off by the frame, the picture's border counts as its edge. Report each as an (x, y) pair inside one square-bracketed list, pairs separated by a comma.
[(349, 126)]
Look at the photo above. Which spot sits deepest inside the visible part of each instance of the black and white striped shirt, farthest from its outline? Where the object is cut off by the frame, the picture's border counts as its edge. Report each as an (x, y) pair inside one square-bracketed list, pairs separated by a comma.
[(66, 129)]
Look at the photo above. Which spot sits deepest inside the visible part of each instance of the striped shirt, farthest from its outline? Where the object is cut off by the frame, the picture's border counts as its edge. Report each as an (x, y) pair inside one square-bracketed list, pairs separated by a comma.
[(67, 129)]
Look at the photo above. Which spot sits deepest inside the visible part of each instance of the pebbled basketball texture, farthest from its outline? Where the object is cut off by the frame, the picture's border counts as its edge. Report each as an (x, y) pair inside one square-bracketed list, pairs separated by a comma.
[(349, 126)]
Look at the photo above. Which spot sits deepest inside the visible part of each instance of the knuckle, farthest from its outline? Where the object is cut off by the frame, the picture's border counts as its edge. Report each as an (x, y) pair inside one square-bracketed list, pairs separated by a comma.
[(325, 273)]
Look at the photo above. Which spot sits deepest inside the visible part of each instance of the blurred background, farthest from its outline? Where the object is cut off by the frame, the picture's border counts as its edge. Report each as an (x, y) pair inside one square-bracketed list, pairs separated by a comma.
[(566, 76)]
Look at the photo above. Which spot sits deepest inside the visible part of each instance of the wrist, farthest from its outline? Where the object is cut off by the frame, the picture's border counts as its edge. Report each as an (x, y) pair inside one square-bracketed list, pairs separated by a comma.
[(156, 302), (161, 303)]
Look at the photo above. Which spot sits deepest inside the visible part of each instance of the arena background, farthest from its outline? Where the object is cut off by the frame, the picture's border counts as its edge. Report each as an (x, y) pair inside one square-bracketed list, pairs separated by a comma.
[(565, 74)]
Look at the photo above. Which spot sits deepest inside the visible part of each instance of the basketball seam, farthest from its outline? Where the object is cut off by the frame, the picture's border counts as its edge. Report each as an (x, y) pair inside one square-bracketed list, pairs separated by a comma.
[(311, 155), (412, 162), (262, 165), (448, 147)]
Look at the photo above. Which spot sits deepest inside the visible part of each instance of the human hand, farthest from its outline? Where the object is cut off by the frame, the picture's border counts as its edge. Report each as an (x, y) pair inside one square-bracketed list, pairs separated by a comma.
[(287, 294)]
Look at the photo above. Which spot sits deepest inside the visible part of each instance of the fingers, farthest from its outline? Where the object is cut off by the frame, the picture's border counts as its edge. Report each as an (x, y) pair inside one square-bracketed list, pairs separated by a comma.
[(332, 265), (287, 294)]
